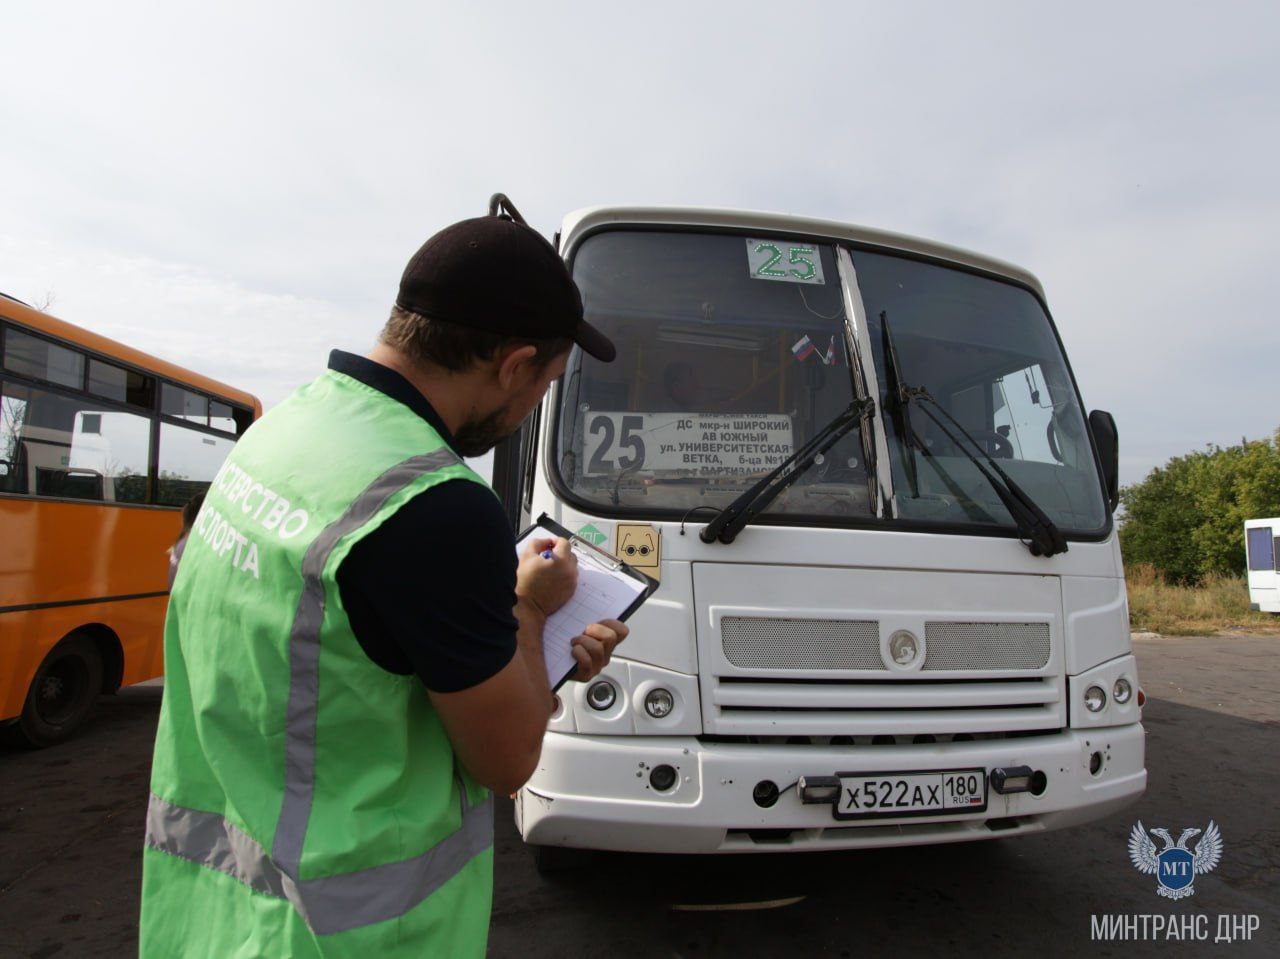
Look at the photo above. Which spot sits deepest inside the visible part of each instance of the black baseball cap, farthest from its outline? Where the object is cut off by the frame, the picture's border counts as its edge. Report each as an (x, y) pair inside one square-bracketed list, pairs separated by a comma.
[(495, 274)]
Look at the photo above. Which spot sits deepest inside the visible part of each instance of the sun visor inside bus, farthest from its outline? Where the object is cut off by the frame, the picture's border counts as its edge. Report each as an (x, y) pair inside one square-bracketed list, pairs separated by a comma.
[(672, 320), (696, 278)]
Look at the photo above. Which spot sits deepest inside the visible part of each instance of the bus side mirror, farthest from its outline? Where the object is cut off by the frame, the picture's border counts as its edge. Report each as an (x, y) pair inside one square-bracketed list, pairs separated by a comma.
[(1107, 441)]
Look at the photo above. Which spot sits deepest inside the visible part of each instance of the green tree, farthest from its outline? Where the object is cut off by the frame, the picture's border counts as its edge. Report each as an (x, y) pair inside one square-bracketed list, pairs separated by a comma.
[(1187, 517), (1157, 527)]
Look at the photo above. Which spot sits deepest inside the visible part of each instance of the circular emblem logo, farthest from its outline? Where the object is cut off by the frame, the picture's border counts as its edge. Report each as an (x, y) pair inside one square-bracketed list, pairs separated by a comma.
[(903, 650)]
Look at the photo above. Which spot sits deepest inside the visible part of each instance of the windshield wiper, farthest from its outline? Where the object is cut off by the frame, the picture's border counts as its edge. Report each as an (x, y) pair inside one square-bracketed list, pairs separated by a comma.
[(901, 411), (731, 520), (1040, 534)]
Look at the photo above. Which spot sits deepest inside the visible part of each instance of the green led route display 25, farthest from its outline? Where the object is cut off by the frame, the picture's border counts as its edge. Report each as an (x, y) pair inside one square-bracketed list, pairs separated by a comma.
[(784, 261)]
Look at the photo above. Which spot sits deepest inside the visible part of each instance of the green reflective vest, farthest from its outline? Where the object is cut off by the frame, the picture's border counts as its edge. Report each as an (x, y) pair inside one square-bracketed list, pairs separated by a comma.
[(304, 801)]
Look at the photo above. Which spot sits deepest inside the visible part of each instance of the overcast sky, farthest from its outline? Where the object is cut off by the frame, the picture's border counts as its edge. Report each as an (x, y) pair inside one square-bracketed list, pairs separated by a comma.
[(237, 186)]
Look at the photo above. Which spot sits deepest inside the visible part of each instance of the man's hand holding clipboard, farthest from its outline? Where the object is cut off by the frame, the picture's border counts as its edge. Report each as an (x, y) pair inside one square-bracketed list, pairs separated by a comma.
[(548, 578), (589, 594)]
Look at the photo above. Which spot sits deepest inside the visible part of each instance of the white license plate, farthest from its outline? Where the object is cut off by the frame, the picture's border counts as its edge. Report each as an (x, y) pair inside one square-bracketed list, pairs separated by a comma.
[(916, 793)]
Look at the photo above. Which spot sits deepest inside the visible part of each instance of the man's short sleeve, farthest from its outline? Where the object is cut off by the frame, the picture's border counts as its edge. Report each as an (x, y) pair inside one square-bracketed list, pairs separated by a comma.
[(431, 591)]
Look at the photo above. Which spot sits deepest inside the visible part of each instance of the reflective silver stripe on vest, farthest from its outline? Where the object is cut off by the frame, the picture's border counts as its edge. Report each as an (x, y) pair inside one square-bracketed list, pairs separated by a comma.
[(304, 652), (329, 904)]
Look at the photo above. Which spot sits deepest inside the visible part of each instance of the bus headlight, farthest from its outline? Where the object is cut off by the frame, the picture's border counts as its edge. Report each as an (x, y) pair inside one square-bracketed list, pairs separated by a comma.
[(1122, 691), (601, 695), (659, 703), (1094, 699), (1089, 691)]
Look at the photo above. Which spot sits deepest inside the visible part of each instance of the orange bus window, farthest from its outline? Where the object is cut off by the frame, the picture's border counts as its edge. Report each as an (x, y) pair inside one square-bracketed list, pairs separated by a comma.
[(116, 383), (188, 462), (41, 360), (54, 445), (184, 404), (222, 417)]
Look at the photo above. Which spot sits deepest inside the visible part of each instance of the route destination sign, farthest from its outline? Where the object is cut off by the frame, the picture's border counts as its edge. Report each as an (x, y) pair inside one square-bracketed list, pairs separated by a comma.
[(704, 444)]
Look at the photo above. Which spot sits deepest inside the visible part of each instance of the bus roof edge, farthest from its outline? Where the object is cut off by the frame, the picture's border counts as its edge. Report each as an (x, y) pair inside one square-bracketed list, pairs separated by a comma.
[(589, 218)]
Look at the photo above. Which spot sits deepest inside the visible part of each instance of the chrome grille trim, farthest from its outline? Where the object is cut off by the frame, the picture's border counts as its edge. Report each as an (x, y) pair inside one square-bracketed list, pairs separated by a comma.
[(752, 642), (882, 707), (961, 646), (889, 695)]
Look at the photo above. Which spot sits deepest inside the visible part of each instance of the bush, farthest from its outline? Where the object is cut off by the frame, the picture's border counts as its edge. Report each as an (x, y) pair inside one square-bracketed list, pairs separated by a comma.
[(1219, 602), (1186, 519)]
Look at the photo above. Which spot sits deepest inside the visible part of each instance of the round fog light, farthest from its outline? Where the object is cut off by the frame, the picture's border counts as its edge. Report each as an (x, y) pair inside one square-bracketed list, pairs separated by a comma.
[(601, 695), (659, 702), (1094, 699), (1122, 691)]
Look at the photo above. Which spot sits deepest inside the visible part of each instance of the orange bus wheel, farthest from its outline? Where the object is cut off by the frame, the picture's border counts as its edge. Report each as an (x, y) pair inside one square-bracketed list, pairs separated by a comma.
[(61, 694)]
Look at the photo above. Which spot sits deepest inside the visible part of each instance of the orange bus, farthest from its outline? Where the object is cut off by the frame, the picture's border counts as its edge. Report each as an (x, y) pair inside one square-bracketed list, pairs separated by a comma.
[(101, 445)]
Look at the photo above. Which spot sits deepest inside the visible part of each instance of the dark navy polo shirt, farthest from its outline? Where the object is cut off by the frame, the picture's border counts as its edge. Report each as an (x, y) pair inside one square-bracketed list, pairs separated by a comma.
[(431, 591)]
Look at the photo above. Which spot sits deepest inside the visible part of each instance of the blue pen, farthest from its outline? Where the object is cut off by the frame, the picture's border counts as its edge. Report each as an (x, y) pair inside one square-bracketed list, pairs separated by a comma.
[(546, 554)]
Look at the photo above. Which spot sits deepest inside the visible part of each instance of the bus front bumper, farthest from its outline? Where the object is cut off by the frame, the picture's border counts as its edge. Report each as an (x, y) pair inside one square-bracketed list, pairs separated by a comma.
[(594, 792)]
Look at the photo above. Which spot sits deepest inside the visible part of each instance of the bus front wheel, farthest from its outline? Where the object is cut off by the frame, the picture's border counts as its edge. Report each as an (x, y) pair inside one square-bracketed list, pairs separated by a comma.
[(61, 693), (554, 860)]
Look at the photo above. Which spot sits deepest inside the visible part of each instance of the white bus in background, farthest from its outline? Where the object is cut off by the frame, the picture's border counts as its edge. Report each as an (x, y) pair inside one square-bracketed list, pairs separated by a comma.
[(892, 607), (90, 466), (1261, 538)]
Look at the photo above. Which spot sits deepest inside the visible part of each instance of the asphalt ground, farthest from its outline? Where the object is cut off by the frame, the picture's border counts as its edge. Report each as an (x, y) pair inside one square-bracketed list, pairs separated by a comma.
[(71, 832)]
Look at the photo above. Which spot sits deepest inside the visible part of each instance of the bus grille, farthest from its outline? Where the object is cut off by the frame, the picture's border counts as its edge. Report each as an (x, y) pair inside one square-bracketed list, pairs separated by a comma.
[(772, 695), (986, 645), (761, 643), (883, 707), (752, 642)]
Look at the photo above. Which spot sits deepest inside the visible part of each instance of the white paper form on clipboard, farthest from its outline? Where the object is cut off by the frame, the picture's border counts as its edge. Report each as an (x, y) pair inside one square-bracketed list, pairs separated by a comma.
[(607, 589)]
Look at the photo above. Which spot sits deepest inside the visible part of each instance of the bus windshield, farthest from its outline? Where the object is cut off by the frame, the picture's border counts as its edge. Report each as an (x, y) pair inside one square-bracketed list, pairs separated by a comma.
[(731, 354), (985, 352)]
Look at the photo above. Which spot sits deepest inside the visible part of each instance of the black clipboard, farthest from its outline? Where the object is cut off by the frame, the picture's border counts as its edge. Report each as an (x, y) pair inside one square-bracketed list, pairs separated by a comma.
[(577, 542)]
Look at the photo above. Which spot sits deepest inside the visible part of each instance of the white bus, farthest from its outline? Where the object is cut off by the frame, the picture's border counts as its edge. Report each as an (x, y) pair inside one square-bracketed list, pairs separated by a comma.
[(1260, 538), (892, 608)]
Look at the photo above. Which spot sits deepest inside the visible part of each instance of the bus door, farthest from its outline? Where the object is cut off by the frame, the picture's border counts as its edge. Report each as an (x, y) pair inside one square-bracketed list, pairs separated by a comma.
[(1261, 544)]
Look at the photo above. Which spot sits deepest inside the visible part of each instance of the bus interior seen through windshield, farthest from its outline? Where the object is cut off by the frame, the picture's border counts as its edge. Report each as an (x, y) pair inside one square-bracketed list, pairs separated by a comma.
[(733, 351), (720, 375)]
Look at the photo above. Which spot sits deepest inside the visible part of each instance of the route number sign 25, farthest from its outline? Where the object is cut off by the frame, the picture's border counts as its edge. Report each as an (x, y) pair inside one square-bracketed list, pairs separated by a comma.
[(787, 262)]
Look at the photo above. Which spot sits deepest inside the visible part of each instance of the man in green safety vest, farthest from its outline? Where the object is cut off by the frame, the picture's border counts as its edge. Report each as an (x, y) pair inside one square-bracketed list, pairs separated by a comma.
[(352, 652)]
